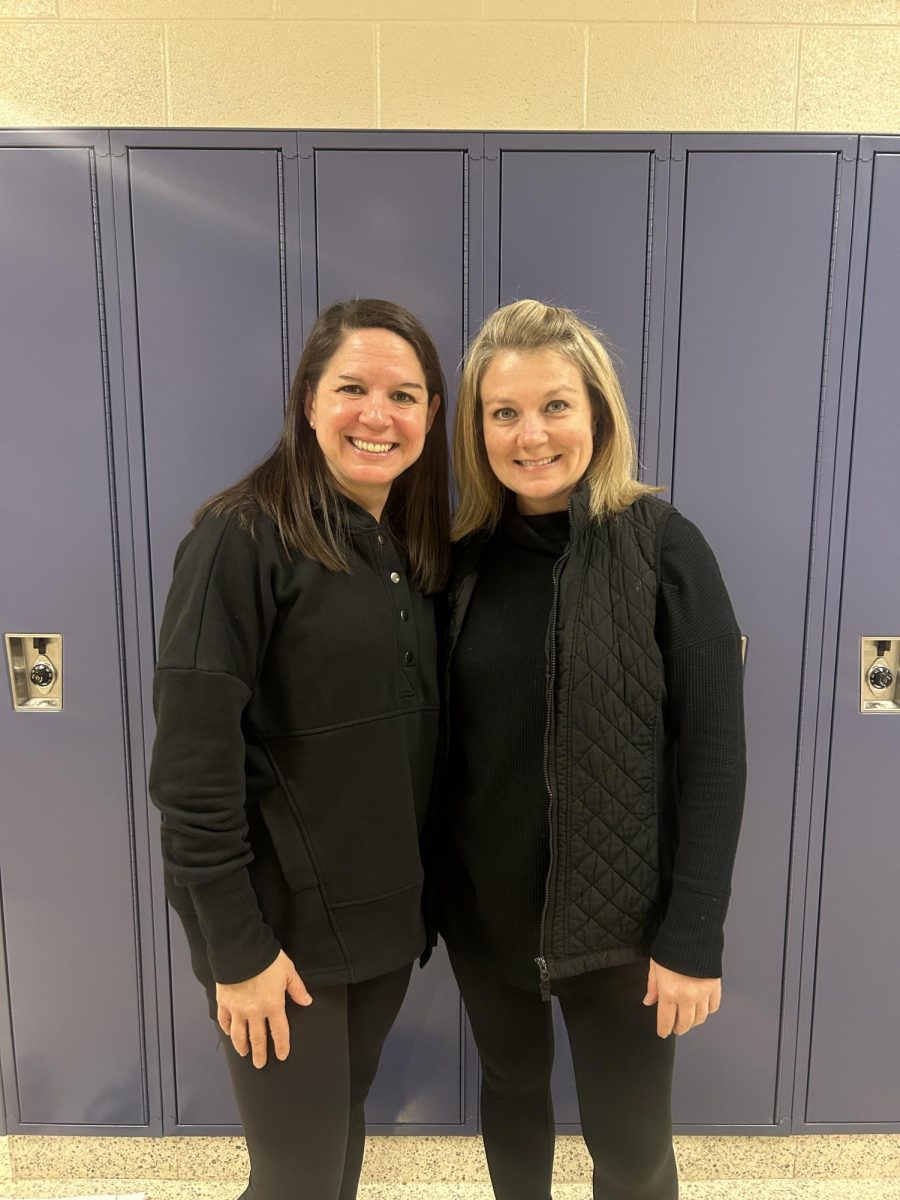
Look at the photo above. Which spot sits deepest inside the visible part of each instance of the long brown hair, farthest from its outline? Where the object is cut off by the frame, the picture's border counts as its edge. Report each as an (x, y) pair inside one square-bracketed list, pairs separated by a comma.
[(530, 325), (294, 486)]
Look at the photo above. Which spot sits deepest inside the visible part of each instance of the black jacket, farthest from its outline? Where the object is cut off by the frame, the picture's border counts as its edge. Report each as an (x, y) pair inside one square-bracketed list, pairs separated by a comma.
[(628, 837), (297, 721)]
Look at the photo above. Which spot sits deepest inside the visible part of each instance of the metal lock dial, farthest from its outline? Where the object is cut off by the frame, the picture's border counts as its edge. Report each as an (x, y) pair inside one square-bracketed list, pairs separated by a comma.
[(42, 673), (880, 677)]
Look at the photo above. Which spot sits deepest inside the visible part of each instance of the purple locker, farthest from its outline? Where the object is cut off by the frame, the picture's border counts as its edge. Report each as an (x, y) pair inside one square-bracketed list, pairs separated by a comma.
[(74, 1052), (756, 287), (207, 230), (849, 1007)]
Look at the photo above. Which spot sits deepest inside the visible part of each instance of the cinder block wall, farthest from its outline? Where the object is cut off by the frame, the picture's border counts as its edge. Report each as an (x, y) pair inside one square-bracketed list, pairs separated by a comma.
[(828, 65)]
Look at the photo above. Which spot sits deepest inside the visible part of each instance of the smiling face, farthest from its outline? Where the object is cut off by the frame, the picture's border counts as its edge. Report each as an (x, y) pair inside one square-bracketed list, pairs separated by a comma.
[(538, 426), (371, 412)]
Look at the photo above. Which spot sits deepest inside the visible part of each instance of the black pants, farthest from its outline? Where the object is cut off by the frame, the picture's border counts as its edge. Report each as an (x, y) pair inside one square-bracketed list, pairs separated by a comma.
[(623, 1074), (303, 1118)]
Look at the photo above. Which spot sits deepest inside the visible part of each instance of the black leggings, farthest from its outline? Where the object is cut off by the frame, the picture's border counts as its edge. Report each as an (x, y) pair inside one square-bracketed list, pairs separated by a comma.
[(623, 1075), (303, 1118)]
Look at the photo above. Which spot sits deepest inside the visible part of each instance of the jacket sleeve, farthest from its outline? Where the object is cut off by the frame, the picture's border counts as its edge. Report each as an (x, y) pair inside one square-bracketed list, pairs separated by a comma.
[(219, 614), (701, 647)]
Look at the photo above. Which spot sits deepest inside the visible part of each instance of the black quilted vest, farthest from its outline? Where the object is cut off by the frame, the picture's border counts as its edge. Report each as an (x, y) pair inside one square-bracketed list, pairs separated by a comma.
[(606, 757)]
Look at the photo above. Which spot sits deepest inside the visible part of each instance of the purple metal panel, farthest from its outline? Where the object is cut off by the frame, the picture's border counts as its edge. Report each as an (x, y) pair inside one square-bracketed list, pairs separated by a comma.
[(399, 220), (762, 283), (583, 228), (213, 361), (212, 233), (854, 1066), (66, 851)]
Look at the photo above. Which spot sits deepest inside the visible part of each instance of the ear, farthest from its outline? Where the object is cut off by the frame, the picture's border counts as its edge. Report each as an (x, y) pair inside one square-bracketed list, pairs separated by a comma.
[(434, 405), (309, 406)]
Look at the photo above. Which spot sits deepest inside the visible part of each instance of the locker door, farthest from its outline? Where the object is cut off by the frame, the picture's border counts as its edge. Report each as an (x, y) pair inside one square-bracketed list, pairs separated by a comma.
[(580, 220), (73, 1049), (854, 1052), (398, 216), (209, 223), (755, 305)]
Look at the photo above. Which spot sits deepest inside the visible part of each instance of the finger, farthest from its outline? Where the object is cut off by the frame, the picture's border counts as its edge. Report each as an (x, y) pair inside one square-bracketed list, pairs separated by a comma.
[(296, 989), (281, 1035), (666, 1013), (223, 1016), (652, 994), (685, 1019), (239, 1038), (259, 1041), (715, 999), (700, 1014)]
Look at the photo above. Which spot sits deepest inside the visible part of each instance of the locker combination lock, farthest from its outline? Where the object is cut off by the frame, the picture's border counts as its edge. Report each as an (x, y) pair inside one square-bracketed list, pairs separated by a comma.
[(879, 675), (35, 671)]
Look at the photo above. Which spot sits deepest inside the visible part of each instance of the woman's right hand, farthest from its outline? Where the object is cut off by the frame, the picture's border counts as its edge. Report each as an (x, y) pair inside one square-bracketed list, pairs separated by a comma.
[(246, 1008)]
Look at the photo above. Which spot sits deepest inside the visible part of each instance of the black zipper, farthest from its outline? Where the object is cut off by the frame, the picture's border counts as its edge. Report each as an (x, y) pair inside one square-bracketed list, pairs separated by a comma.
[(541, 961)]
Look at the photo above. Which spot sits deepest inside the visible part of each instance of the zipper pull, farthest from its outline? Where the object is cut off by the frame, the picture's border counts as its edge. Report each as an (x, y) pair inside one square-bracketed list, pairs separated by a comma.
[(545, 978)]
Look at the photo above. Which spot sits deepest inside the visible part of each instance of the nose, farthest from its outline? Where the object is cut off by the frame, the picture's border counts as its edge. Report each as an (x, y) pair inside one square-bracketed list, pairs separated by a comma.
[(532, 432), (374, 412)]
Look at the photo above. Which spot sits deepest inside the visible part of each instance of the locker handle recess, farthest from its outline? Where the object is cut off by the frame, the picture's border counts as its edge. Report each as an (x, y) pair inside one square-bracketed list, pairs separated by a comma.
[(879, 675), (35, 671)]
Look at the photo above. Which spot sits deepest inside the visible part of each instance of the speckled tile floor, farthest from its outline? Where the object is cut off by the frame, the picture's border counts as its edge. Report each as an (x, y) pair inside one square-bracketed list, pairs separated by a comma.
[(871, 1189), (830, 1167)]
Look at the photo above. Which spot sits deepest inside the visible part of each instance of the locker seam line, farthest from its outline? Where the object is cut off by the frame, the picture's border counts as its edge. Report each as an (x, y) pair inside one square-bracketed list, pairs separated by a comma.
[(12, 1033), (465, 242), (645, 339), (282, 270), (139, 668), (120, 620), (840, 615), (812, 560), (679, 331)]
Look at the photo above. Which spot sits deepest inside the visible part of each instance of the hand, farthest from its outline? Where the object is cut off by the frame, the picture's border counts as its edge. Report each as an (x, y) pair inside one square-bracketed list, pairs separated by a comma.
[(682, 1001), (246, 1007)]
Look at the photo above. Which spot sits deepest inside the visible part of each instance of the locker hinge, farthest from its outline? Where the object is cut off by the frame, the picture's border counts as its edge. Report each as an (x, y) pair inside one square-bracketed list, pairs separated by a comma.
[(867, 158), (848, 156), (660, 157)]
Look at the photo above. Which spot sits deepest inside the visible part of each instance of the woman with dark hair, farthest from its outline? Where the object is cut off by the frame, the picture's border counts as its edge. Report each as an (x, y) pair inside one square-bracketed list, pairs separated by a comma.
[(297, 702), (596, 755)]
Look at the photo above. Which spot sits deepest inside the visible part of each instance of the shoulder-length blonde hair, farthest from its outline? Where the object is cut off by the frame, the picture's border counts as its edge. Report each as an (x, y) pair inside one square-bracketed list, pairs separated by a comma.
[(294, 486), (530, 325)]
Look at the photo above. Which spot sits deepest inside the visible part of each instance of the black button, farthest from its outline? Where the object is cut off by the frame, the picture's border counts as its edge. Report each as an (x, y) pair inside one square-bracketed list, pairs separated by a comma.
[(381, 539), (408, 656), (404, 615)]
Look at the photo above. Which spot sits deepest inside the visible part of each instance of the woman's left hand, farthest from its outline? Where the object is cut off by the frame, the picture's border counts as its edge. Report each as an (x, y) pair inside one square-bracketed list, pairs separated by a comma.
[(681, 1000)]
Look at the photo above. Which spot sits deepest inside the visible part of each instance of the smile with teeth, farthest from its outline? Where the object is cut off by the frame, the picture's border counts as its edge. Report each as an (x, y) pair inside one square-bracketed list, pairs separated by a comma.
[(372, 447), (530, 464)]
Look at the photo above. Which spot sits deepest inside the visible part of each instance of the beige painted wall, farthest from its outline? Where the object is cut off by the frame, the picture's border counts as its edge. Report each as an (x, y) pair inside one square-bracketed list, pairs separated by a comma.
[(828, 65)]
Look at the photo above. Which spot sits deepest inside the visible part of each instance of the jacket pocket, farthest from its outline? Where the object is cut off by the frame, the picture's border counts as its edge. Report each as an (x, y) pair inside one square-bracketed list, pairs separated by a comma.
[(288, 842)]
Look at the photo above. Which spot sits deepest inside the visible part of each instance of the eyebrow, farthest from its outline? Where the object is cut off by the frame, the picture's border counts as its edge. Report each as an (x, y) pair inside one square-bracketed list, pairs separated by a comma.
[(357, 379), (563, 387)]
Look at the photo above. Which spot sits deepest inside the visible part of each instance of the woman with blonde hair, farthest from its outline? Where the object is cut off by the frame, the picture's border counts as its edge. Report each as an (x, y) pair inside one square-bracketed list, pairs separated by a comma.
[(596, 759)]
